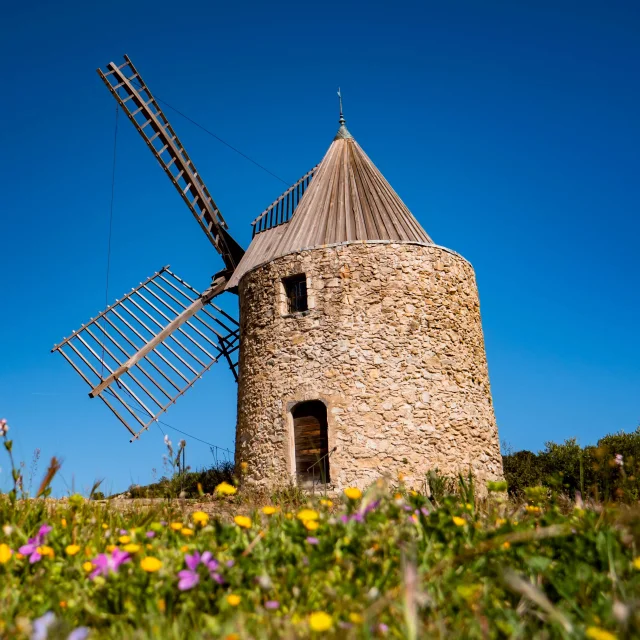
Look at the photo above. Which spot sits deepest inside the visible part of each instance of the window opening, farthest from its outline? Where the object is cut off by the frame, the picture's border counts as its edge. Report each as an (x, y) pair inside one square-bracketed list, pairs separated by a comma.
[(296, 291), (311, 442)]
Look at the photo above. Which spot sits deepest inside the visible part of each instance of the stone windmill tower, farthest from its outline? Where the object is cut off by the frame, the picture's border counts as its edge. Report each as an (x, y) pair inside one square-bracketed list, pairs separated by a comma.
[(360, 342)]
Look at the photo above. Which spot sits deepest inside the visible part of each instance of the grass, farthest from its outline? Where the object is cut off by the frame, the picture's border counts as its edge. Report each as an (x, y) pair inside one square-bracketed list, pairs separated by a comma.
[(386, 563)]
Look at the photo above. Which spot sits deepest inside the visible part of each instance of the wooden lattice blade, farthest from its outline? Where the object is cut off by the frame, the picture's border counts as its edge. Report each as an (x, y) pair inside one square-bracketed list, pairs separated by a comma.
[(145, 350)]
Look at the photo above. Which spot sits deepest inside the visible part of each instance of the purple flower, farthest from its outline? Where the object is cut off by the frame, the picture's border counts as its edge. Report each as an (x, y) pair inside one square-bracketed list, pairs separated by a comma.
[(312, 540), (41, 626), (81, 633), (123, 532), (344, 519), (106, 564), (216, 577), (229, 563), (188, 579), (370, 507), (150, 534), (424, 511), (383, 628), (619, 460), (31, 548), (271, 604), (407, 507)]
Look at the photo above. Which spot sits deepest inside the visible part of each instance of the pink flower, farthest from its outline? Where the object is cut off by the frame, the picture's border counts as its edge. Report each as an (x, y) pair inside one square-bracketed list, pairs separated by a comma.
[(271, 604), (105, 564), (31, 548)]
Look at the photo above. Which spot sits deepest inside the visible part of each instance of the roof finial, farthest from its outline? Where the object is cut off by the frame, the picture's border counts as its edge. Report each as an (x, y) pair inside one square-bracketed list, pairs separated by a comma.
[(343, 132), (342, 120)]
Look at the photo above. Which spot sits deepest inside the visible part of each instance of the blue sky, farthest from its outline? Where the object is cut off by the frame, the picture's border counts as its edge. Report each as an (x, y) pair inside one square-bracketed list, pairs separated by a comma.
[(511, 131)]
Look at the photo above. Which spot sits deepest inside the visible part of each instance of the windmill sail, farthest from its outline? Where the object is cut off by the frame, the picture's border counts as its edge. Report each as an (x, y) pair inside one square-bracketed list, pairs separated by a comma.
[(144, 351), (127, 86)]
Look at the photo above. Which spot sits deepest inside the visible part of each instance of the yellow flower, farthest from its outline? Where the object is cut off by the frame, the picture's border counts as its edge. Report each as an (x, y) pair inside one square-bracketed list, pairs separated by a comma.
[(413, 492), (326, 503), (506, 545), (149, 546), (87, 566), (269, 511), (243, 521), (308, 514), (162, 605), (63, 522), (132, 547), (397, 496), (200, 517), (636, 563), (5, 553), (500, 522), (459, 522), (72, 549), (288, 516), (63, 604), (150, 564), (320, 621), (353, 493), (469, 506), (225, 489), (596, 633), (233, 599), (110, 547), (176, 526), (244, 466), (531, 509), (356, 618), (184, 548), (44, 550), (104, 525), (232, 636), (186, 531), (311, 525), (88, 551), (124, 539)]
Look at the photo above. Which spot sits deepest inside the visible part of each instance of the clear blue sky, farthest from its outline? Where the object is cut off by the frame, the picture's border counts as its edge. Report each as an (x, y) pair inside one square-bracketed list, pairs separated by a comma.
[(510, 129)]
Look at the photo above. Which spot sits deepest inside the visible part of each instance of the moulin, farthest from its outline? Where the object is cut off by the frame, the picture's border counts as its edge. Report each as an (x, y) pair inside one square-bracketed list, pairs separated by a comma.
[(358, 351)]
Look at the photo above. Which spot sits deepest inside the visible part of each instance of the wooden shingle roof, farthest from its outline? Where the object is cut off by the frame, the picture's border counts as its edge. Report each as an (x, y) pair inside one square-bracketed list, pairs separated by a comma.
[(347, 200)]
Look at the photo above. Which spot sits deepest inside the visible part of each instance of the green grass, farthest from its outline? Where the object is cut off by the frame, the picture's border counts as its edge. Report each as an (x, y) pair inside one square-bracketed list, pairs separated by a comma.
[(407, 568)]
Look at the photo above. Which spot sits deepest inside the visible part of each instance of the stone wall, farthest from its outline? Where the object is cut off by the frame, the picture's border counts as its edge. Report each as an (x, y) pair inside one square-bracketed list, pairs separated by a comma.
[(392, 343)]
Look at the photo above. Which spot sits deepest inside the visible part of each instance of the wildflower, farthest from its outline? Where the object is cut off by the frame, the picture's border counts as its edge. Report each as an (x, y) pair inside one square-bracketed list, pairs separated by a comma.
[(312, 540), (72, 549), (200, 517), (185, 531), (243, 521), (288, 516), (63, 523), (105, 564), (167, 441), (532, 509), (111, 547), (176, 526), (271, 605), (326, 503), (4, 427), (320, 621), (7, 529), (233, 599), (63, 604), (506, 545), (5, 553), (596, 633), (188, 579), (184, 548), (353, 493), (81, 633), (150, 564), (150, 534), (132, 547), (46, 551), (500, 522), (468, 506), (87, 566), (105, 525), (124, 539), (356, 618), (41, 625), (459, 522), (232, 636), (383, 628), (244, 466), (31, 548), (307, 514), (162, 605), (619, 460), (225, 489), (636, 563), (229, 563), (311, 525), (269, 511)]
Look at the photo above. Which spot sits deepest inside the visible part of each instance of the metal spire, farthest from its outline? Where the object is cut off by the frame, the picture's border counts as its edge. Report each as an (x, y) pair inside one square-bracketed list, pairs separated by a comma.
[(343, 132)]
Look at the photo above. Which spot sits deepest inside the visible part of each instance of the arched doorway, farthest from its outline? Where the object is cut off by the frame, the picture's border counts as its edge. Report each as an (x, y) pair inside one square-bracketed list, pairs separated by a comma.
[(311, 442)]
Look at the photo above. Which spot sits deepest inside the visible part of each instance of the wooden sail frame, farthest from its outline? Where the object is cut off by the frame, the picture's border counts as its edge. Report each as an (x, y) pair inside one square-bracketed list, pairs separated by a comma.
[(148, 348)]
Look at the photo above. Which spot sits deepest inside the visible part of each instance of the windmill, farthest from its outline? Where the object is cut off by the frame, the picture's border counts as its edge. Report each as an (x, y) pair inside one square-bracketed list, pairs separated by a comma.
[(358, 350), (149, 347)]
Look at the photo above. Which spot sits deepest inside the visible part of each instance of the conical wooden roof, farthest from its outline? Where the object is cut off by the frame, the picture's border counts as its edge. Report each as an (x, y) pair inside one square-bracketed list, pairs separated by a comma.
[(348, 200)]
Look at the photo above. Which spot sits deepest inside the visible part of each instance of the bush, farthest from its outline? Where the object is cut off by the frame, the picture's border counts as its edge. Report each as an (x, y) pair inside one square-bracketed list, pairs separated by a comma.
[(610, 470)]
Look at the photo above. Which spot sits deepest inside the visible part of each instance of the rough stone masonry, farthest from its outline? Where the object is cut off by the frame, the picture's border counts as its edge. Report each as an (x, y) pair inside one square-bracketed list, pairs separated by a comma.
[(392, 343)]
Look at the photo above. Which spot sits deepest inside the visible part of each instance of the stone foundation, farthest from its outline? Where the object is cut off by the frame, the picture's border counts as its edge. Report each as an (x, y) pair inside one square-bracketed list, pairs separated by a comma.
[(392, 344)]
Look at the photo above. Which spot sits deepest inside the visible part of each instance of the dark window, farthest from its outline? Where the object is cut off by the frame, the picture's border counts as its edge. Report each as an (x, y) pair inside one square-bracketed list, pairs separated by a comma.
[(311, 442), (296, 290)]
